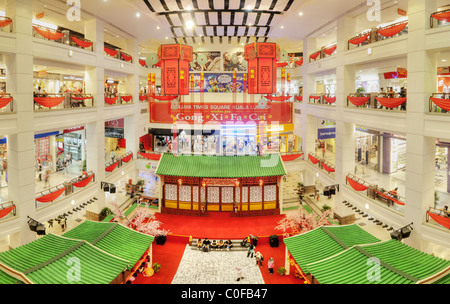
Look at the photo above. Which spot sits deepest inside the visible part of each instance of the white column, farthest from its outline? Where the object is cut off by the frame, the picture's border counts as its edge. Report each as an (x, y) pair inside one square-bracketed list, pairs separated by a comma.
[(420, 150), (21, 169)]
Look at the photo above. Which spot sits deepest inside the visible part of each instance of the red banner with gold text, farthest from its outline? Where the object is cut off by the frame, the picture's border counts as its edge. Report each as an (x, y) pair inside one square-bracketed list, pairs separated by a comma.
[(161, 112)]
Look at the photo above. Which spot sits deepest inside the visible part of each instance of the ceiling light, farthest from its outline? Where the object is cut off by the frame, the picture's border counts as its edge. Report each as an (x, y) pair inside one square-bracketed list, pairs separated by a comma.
[(300, 14), (249, 7), (167, 37), (157, 27), (444, 60), (138, 15), (282, 27), (190, 24), (188, 8)]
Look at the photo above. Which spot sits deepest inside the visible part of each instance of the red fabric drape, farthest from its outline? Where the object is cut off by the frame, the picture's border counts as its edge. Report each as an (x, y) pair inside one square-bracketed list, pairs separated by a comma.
[(290, 157), (390, 198), (358, 101), (81, 43), (328, 168), (165, 98), (444, 16), (142, 97), (111, 100), (299, 98), (6, 211), (142, 62), (315, 97), (51, 196), (355, 185), (391, 102), (48, 34), (158, 64), (150, 156), (313, 159), (126, 98), (277, 98), (299, 62), (330, 50), (110, 52), (393, 30), (127, 158), (5, 101), (84, 182), (110, 168), (359, 40), (315, 55), (330, 99), (281, 64), (49, 102), (126, 57), (441, 103), (444, 221), (4, 23)]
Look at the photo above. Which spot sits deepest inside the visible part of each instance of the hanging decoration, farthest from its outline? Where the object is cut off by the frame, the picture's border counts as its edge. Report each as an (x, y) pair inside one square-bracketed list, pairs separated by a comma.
[(111, 100), (441, 103), (4, 212), (5, 101), (314, 56), (126, 98), (82, 43), (110, 52), (277, 98), (5, 22), (330, 100), (291, 157), (175, 60), (313, 159), (393, 30), (299, 98), (51, 35), (327, 168), (127, 158), (330, 50), (390, 198), (262, 70), (355, 185), (81, 98), (358, 101), (111, 167), (142, 62), (150, 156), (51, 196), (391, 102), (441, 220), (299, 62), (49, 102), (281, 64), (359, 40), (126, 57), (84, 182), (442, 16), (142, 97)]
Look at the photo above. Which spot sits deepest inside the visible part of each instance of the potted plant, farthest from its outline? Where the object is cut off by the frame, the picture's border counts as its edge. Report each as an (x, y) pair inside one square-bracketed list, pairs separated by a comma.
[(156, 267), (104, 213), (282, 270), (140, 185), (325, 208), (360, 91), (161, 238)]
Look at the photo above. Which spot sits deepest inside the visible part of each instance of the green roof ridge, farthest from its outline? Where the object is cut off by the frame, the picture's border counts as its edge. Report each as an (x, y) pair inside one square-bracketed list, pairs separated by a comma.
[(106, 232), (334, 237), (387, 266)]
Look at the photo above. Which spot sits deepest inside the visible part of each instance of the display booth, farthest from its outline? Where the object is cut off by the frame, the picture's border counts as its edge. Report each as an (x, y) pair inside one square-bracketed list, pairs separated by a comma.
[(240, 185)]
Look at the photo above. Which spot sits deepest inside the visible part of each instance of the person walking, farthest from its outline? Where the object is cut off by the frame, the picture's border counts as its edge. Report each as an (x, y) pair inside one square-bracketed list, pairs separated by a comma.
[(251, 251), (239, 274), (259, 259), (271, 265), (46, 179)]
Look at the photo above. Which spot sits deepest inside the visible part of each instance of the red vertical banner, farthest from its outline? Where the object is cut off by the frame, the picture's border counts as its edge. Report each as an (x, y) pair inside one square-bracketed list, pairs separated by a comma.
[(202, 90), (283, 81), (174, 137), (150, 93), (182, 88), (192, 89), (245, 88), (234, 87)]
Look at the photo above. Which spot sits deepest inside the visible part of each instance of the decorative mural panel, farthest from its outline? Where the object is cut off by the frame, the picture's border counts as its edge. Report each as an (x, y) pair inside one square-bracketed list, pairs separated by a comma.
[(255, 194), (270, 193), (213, 194), (185, 193), (195, 194), (171, 192), (244, 194), (227, 194)]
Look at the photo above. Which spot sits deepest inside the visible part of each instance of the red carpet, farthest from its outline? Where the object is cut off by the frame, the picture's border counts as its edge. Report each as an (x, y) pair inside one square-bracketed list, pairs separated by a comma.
[(216, 226)]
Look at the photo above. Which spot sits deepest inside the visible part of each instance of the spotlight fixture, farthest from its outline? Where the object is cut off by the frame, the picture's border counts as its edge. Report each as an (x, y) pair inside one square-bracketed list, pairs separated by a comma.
[(95, 198), (390, 228), (354, 208), (371, 219), (365, 215), (36, 226), (380, 223), (384, 226), (70, 212), (402, 233)]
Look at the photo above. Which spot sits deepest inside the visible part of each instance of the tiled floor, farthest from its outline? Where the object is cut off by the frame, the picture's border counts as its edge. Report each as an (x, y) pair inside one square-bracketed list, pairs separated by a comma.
[(216, 267)]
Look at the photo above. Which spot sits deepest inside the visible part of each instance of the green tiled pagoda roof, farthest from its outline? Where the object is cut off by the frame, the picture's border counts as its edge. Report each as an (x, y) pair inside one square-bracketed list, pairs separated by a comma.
[(113, 238), (7, 279), (213, 166), (399, 264), (45, 261), (324, 242)]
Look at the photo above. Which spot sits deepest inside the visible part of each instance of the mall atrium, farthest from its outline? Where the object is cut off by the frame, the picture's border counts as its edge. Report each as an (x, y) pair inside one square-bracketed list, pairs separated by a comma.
[(313, 133)]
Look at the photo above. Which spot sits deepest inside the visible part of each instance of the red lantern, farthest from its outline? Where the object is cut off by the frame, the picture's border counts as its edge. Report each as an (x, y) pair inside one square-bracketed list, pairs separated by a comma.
[(180, 182), (203, 184), (175, 60), (237, 184), (262, 69), (261, 182)]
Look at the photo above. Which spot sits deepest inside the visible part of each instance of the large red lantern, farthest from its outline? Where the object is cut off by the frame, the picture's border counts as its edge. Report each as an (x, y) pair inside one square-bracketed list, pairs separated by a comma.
[(175, 59), (261, 57)]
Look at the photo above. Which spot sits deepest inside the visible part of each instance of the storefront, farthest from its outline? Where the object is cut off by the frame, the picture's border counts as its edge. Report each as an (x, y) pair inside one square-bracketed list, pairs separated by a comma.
[(326, 136), (367, 146), (279, 138), (442, 168), (53, 83), (3, 162), (394, 153), (114, 136)]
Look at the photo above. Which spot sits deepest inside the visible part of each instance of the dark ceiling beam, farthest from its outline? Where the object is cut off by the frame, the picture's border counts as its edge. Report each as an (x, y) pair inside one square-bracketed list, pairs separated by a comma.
[(163, 3), (214, 26), (242, 4), (195, 4), (288, 6), (150, 7), (180, 5), (272, 6), (257, 4), (226, 4), (211, 4), (222, 11)]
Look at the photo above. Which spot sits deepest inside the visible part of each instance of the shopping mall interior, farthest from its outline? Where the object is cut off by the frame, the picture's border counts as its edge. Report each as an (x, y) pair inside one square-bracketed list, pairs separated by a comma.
[(313, 133)]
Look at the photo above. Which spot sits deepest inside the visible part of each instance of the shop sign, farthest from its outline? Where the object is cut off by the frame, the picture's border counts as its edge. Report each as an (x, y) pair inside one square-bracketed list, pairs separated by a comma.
[(326, 133), (42, 73), (401, 12), (40, 15), (161, 112), (220, 182), (116, 123), (73, 129)]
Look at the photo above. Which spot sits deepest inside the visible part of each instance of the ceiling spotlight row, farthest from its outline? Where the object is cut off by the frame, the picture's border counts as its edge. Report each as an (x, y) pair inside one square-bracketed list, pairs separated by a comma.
[(360, 212)]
